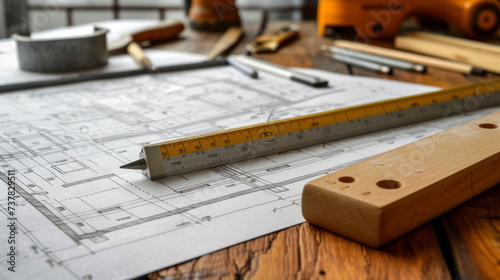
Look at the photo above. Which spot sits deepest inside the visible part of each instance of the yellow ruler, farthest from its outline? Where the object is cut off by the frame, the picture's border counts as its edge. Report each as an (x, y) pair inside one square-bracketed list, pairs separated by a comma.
[(203, 151)]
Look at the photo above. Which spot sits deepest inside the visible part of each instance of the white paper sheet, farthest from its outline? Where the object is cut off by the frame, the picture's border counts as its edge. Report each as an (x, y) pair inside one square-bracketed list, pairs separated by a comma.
[(81, 217)]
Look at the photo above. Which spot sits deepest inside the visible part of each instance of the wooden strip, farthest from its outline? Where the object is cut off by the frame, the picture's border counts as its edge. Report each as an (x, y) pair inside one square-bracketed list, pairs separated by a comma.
[(379, 199), (474, 233), (486, 60), (228, 39), (455, 41)]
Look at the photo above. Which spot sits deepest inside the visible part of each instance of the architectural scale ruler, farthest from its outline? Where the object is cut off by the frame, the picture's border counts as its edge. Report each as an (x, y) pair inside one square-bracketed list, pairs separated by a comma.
[(209, 150)]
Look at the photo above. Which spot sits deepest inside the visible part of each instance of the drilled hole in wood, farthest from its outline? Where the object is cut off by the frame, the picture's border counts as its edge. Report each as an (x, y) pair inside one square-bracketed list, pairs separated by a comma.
[(488, 126), (389, 184), (346, 179)]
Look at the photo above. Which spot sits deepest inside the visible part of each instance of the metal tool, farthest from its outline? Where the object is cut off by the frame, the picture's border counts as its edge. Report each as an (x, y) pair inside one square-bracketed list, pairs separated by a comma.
[(270, 42), (375, 19), (219, 148), (63, 54), (82, 77)]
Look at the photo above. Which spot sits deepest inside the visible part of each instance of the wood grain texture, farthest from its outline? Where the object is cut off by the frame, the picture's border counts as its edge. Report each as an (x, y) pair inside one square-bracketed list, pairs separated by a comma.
[(474, 233), (456, 41), (381, 198), (479, 58), (305, 251)]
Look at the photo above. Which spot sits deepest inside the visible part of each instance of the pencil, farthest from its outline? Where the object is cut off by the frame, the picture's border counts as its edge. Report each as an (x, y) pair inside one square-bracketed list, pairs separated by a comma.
[(453, 66), (395, 63), (140, 56), (367, 65), (247, 70)]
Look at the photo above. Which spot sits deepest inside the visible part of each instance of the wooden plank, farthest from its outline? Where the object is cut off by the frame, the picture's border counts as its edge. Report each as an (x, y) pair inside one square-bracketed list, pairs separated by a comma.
[(307, 252), (474, 234)]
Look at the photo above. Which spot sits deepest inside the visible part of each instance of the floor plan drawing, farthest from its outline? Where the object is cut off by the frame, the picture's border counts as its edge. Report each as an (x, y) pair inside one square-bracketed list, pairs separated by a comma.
[(81, 217)]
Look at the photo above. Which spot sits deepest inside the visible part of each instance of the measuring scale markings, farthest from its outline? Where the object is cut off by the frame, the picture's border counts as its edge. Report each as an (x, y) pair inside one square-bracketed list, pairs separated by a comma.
[(209, 150)]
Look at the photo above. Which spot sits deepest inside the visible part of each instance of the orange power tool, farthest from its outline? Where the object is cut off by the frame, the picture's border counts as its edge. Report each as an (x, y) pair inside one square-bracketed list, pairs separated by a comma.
[(374, 19)]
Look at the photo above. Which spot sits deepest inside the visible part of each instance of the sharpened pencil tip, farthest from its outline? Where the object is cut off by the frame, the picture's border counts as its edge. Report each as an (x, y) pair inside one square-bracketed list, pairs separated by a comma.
[(139, 164)]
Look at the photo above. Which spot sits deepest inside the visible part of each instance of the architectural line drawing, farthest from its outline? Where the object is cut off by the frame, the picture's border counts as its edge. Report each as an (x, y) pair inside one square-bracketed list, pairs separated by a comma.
[(81, 217)]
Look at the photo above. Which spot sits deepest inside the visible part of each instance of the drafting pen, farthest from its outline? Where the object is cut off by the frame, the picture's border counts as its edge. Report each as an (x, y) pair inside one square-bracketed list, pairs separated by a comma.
[(454, 66), (140, 56), (367, 65), (281, 71), (243, 68), (396, 63)]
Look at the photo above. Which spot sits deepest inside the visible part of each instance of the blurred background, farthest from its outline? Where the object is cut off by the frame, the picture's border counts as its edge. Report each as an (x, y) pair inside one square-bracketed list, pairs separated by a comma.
[(37, 15)]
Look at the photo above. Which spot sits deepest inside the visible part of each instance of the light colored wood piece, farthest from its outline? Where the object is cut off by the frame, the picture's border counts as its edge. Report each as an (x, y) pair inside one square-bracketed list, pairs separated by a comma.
[(436, 174), (455, 41), (138, 54), (406, 56), (486, 60), (228, 39)]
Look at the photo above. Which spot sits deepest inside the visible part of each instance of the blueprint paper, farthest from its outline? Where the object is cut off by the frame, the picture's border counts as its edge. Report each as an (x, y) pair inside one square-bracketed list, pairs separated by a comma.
[(81, 217)]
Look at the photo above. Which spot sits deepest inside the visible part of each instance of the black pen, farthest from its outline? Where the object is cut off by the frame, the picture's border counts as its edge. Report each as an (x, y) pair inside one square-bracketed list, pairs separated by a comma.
[(243, 68)]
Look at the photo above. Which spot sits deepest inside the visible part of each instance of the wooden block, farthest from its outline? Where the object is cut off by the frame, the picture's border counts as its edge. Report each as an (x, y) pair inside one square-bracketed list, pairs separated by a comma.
[(384, 197)]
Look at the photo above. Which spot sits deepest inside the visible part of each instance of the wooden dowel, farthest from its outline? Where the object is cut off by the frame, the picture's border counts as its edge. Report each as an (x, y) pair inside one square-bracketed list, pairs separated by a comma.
[(456, 41), (410, 57), (228, 39), (139, 55), (486, 60)]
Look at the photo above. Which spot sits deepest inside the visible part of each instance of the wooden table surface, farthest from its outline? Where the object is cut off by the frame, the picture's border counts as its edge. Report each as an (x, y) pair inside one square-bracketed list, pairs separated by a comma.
[(461, 244)]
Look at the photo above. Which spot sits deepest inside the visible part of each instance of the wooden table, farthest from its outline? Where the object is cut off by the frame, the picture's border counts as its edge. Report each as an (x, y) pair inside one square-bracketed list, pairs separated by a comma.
[(463, 243)]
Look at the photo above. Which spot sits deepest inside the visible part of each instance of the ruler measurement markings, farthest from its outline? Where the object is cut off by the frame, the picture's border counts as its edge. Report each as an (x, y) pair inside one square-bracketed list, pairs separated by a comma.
[(262, 139)]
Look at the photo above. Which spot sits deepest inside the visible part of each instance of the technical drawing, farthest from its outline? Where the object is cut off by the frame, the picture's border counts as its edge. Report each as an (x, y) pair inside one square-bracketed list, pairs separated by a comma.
[(81, 216)]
